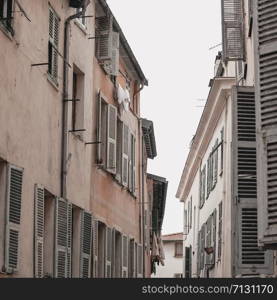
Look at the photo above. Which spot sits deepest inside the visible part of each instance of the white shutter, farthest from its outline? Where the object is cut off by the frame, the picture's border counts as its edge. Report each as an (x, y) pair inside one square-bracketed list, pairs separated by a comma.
[(265, 24), (111, 139), (108, 252), (13, 218), (99, 158), (39, 231), (86, 240), (232, 29), (113, 253), (132, 170), (95, 248), (54, 24), (61, 238), (124, 259), (125, 155), (69, 241), (104, 26), (114, 70)]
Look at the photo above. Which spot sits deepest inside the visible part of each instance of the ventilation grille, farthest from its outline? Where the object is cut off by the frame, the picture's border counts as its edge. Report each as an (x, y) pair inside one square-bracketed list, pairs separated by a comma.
[(250, 251), (246, 116), (268, 89), (247, 183), (272, 182), (267, 15)]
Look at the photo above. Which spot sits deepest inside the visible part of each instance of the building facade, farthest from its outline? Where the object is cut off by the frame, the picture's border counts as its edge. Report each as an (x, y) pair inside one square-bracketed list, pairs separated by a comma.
[(72, 147), (223, 183)]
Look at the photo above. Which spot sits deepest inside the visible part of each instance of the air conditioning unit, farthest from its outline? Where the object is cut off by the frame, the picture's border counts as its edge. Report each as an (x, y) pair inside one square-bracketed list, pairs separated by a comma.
[(76, 3)]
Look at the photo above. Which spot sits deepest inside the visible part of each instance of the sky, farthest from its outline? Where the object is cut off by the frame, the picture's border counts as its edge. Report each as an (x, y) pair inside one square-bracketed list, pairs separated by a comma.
[(171, 41)]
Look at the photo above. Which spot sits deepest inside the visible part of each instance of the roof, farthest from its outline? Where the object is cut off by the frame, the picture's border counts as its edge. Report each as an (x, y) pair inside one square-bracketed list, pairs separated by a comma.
[(125, 44), (149, 138), (172, 237)]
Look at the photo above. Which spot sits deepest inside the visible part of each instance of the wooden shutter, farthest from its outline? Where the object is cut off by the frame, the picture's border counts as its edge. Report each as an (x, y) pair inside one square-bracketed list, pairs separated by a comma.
[(232, 29), (115, 54), (219, 247), (39, 231), (111, 139), (113, 262), (208, 239), (185, 222), (13, 217), (86, 240), (95, 248), (108, 253), (131, 255), (119, 150), (124, 256), (104, 26), (54, 24), (139, 261), (215, 163), (202, 251), (250, 259), (213, 242), (265, 30), (125, 155)]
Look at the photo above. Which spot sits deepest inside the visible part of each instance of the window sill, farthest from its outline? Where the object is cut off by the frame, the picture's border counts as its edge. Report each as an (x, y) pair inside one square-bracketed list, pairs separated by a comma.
[(82, 27), (7, 33), (54, 84)]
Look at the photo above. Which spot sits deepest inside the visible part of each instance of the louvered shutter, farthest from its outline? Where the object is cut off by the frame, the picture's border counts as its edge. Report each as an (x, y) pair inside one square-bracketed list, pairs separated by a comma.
[(215, 163), (202, 259), (108, 253), (213, 242), (139, 261), (125, 155), (99, 158), (185, 222), (61, 238), (111, 139), (111, 66), (54, 24), (39, 231), (265, 30), (113, 262), (131, 255), (104, 26), (86, 240), (13, 217), (133, 170), (232, 29), (124, 256), (198, 263), (208, 239), (95, 248), (250, 260), (69, 241)]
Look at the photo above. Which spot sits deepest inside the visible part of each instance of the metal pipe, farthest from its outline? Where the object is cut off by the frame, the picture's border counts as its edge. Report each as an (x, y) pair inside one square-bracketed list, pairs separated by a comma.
[(65, 105)]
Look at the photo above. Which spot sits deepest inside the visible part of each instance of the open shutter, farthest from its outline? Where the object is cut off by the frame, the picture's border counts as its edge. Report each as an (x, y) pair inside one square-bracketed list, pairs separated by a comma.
[(113, 268), (265, 30), (99, 158), (232, 29), (95, 248), (125, 155), (124, 256), (69, 241), (61, 238), (39, 231), (111, 66), (131, 256), (139, 261), (133, 164), (104, 28), (213, 243), (249, 258), (86, 239), (198, 253), (13, 218), (111, 139), (108, 254), (54, 24)]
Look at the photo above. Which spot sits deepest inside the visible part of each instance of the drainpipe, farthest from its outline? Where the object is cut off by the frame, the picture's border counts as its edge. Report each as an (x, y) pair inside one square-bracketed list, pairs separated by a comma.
[(65, 105)]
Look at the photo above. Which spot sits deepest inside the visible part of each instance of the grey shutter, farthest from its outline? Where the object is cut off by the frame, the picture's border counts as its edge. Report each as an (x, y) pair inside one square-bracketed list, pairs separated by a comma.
[(86, 240), (39, 231), (133, 164), (202, 252), (232, 29), (131, 269), (249, 259), (139, 261), (265, 30), (215, 163), (108, 253), (219, 247), (95, 248), (208, 239), (113, 262), (69, 241), (13, 218), (61, 238), (99, 156), (213, 243), (125, 155), (198, 253), (54, 42), (104, 26), (185, 222), (119, 151), (111, 66), (111, 139), (124, 256)]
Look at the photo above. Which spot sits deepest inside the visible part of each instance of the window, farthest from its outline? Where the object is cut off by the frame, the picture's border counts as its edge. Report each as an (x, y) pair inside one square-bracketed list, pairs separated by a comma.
[(53, 45), (179, 249), (188, 261), (6, 12), (78, 101), (202, 187), (219, 247)]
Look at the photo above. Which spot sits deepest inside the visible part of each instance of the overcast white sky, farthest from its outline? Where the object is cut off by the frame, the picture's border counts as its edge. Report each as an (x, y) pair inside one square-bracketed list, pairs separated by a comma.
[(171, 40)]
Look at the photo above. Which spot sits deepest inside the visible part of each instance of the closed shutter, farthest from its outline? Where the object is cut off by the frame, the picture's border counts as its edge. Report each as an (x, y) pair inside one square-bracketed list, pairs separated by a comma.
[(95, 248), (124, 256), (202, 259), (125, 155), (108, 253), (99, 156), (202, 186), (86, 240), (232, 29), (61, 238), (250, 260), (113, 253), (213, 243), (69, 241), (198, 253), (265, 30), (215, 163), (111, 66), (111, 142), (132, 164), (139, 261), (54, 24), (131, 270), (185, 222), (39, 231), (104, 28), (13, 218)]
